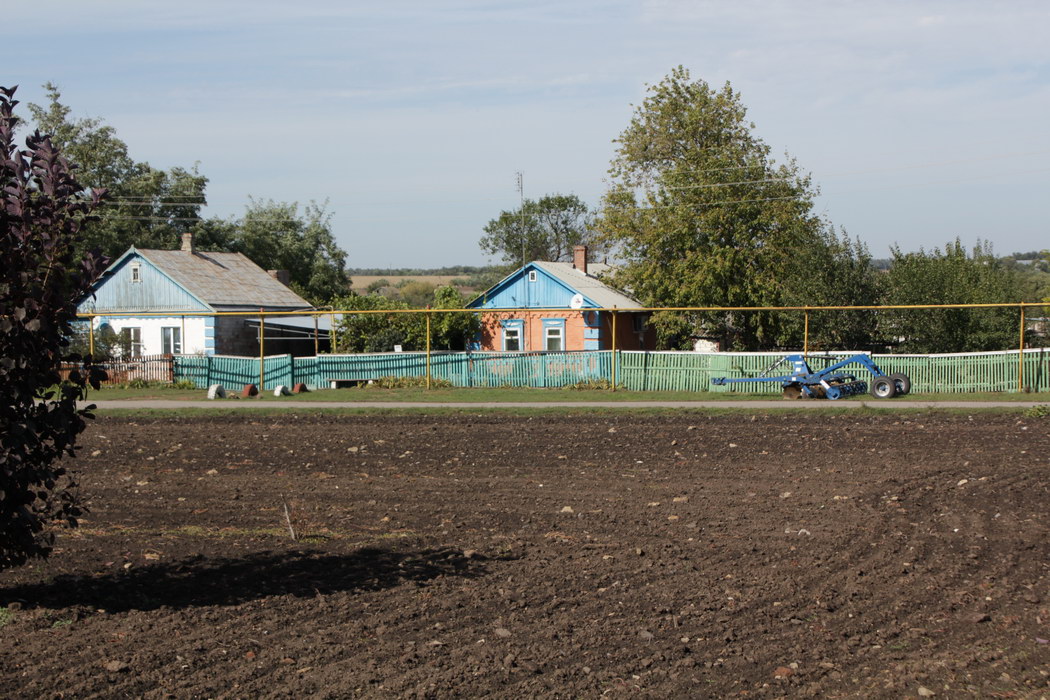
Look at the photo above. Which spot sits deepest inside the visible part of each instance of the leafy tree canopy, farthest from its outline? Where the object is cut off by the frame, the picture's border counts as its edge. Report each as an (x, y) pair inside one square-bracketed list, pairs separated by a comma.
[(275, 236), (146, 207), (379, 332), (42, 212), (151, 208), (951, 276), (544, 229), (699, 214)]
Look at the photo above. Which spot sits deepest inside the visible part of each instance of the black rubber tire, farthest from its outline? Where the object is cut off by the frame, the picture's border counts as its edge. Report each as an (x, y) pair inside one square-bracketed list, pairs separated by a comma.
[(883, 388), (903, 383)]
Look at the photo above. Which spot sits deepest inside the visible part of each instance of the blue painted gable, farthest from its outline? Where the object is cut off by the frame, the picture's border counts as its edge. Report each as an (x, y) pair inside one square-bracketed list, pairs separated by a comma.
[(529, 288), (118, 291)]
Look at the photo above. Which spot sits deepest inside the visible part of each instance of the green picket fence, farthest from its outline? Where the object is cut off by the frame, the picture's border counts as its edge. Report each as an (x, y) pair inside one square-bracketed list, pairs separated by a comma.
[(473, 369), (640, 371), (956, 373)]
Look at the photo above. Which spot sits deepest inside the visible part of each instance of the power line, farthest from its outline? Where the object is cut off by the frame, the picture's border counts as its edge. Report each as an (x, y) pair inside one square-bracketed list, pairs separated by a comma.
[(192, 218), (725, 184)]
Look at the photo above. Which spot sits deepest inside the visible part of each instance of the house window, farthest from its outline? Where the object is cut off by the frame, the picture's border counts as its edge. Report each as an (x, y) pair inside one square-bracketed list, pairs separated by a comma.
[(132, 341), (532, 275), (171, 340), (553, 334), (554, 338), (136, 273), (639, 323), (511, 338)]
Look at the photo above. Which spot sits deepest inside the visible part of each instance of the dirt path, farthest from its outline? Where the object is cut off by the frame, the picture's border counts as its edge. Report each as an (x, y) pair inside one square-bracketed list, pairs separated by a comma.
[(617, 555)]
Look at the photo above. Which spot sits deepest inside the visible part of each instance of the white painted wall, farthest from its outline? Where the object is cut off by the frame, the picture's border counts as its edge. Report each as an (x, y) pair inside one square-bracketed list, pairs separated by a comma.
[(193, 331)]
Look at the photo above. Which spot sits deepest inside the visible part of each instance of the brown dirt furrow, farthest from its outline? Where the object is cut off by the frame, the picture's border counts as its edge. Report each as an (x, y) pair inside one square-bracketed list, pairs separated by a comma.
[(585, 556)]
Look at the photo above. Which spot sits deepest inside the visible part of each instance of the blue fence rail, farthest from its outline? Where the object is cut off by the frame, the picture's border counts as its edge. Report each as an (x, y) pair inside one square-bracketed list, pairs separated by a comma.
[(641, 371)]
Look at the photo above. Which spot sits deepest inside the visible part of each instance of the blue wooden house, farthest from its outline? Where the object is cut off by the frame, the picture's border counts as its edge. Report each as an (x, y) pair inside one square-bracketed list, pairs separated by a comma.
[(175, 287), (556, 306)]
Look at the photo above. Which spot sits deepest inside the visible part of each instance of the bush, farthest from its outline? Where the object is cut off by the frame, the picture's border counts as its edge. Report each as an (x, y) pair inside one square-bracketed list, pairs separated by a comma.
[(409, 383), (1040, 411), (42, 210), (593, 385)]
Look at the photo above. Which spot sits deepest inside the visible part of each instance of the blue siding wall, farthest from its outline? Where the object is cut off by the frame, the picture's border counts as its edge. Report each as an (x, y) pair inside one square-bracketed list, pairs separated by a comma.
[(519, 293), (209, 335), (155, 292)]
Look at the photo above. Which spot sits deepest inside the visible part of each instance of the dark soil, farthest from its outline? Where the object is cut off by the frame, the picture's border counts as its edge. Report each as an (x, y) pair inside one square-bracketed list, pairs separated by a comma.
[(685, 556)]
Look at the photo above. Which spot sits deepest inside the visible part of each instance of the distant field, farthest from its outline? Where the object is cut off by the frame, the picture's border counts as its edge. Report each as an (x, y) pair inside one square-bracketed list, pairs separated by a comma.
[(361, 282)]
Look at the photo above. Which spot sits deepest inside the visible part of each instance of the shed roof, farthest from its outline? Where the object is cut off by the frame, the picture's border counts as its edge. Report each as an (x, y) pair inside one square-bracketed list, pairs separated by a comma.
[(224, 279)]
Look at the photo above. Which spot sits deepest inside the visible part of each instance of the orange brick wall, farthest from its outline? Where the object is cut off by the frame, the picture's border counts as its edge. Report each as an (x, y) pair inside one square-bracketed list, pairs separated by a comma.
[(626, 338)]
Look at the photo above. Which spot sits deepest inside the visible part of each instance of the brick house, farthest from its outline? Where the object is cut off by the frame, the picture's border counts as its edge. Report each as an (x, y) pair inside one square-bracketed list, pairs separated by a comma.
[(174, 287), (566, 298)]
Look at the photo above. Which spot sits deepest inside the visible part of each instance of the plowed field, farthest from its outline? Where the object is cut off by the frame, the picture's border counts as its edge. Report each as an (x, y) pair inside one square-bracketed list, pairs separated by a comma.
[(664, 556)]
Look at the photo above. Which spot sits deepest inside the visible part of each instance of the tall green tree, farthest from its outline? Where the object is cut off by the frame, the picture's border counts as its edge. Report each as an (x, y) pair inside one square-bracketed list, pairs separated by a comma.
[(951, 275), (453, 330), (699, 214), (544, 229), (151, 208), (276, 236), (145, 207)]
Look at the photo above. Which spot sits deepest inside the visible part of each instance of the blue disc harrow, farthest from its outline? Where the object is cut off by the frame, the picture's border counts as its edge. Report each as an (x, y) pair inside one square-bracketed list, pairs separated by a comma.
[(829, 382)]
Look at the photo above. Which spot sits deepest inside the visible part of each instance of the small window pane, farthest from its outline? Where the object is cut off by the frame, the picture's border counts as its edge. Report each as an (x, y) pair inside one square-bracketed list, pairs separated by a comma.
[(511, 339), (554, 339), (132, 340), (171, 340)]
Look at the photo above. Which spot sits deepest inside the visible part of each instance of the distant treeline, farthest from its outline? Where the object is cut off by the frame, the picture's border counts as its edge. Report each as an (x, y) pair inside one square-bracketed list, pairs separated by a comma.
[(1031, 257), (406, 271)]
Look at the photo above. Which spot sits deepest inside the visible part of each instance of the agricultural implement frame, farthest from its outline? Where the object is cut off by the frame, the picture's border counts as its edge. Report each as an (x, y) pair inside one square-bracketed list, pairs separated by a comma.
[(829, 382)]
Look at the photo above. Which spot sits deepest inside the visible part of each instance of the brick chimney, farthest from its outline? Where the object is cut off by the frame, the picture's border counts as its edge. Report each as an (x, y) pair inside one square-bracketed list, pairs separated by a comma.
[(187, 242), (579, 258), (282, 276)]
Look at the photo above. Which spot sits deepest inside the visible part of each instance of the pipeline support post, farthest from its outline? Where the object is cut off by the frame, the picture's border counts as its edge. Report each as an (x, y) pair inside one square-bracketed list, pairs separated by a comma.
[(262, 346), (614, 363), (428, 351), (805, 334), (1020, 355), (91, 336)]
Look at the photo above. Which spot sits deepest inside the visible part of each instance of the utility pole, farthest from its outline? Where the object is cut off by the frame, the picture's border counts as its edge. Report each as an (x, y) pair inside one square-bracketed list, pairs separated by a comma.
[(524, 282), (521, 211)]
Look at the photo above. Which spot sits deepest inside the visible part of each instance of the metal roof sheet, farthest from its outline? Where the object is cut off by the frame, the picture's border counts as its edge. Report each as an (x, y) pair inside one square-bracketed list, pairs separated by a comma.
[(225, 279), (588, 283)]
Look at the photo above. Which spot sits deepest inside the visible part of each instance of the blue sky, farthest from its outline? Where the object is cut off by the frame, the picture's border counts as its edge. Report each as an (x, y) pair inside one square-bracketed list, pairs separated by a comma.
[(920, 121)]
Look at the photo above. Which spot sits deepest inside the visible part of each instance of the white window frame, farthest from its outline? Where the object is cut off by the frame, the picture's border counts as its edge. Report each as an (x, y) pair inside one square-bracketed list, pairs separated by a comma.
[(512, 334), (171, 340), (532, 275), (554, 333), (136, 273), (134, 340)]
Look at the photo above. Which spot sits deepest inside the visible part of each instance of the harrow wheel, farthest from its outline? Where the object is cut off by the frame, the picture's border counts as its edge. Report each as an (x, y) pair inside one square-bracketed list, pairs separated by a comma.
[(883, 388), (792, 392), (902, 381)]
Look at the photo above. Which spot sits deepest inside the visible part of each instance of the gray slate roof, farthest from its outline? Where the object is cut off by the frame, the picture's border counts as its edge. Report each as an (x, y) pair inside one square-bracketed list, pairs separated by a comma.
[(225, 279), (589, 285)]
